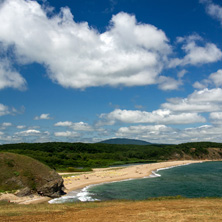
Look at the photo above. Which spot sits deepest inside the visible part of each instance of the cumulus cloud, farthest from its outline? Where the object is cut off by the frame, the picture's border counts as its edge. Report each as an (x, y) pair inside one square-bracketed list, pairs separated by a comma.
[(65, 124), (214, 79), (164, 134), (4, 110), (206, 100), (168, 83), (29, 132), (128, 53), (214, 10), (8, 139), (21, 127), (158, 117), (43, 116), (216, 118), (6, 124), (197, 52), (9, 77), (80, 126), (67, 134), (141, 129)]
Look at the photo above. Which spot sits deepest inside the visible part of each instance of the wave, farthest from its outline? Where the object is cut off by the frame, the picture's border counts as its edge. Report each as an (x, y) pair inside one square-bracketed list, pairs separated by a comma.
[(155, 174), (82, 195)]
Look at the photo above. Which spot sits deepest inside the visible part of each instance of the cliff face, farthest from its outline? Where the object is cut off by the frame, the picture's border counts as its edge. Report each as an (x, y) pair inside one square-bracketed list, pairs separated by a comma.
[(210, 154), (18, 172)]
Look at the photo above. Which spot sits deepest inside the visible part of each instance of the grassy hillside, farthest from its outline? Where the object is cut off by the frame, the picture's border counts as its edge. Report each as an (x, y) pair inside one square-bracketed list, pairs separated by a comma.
[(19, 172), (63, 155), (155, 210)]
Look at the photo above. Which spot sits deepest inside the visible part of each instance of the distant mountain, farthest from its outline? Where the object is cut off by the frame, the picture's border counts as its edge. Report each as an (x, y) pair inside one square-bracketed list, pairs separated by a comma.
[(125, 141)]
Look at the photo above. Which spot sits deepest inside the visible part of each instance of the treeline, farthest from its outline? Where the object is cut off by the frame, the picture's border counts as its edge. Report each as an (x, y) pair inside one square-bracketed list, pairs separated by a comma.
[(63, 155)]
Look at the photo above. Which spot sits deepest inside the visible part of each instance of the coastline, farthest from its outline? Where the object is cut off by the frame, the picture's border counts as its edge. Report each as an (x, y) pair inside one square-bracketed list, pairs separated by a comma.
[(102, 175), (113, 174)]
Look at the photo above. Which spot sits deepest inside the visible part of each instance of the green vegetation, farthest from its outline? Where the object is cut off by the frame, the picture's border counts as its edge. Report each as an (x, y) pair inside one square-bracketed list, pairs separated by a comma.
[(71, 156), (19, 171), (125, 141), (73, 169)]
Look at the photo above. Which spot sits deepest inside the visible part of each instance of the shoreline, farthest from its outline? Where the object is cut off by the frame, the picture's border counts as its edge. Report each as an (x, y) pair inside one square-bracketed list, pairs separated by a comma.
[(100, 176), (115, 174)]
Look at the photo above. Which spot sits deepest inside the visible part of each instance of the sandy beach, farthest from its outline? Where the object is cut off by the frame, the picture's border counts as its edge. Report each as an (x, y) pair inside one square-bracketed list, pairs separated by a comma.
[(103, 175), (99, 175)]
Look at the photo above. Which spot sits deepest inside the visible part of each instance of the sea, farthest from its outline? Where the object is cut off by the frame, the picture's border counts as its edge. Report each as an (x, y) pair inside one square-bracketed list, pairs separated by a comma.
[(192, 180)]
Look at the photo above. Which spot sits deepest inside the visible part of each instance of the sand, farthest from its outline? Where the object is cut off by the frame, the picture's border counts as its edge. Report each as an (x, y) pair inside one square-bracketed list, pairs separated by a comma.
[(103, 175), (100, 175)]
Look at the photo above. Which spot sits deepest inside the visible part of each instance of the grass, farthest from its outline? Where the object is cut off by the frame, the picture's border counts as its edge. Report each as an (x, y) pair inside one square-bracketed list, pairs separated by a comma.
[(173, 210)]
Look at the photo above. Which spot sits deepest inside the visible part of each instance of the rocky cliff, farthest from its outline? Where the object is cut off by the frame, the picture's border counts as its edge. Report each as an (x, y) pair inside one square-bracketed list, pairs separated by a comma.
[(18, 172)]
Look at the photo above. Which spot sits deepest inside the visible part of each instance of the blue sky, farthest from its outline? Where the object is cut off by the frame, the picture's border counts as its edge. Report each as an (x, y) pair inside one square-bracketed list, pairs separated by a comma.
[(85, 71)]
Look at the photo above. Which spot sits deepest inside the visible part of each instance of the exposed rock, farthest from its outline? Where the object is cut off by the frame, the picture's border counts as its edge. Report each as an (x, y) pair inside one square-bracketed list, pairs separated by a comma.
[(54, 188), (18, 172), (24, 192)]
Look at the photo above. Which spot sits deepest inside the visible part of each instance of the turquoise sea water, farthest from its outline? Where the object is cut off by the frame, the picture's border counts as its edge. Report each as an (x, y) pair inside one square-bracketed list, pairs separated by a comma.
[(194, 180)]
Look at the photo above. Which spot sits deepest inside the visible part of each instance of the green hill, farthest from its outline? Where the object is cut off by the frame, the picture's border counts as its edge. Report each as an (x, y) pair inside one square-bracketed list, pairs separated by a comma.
[(125, 141), (62, 156), (18, 172)]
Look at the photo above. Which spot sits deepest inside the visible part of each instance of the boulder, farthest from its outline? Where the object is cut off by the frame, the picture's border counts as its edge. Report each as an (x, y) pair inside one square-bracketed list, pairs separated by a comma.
[(53, 188)]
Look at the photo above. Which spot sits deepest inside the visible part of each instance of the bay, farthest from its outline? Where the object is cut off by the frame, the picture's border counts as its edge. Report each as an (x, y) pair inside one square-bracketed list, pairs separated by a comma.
[(194, 180)]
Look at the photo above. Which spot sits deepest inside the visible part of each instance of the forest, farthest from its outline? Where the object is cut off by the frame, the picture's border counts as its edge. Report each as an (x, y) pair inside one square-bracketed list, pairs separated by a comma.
[(71, 156)]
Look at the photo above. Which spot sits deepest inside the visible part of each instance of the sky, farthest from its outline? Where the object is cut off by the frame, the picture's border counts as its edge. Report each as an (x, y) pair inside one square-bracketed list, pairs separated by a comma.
[(90, 70)]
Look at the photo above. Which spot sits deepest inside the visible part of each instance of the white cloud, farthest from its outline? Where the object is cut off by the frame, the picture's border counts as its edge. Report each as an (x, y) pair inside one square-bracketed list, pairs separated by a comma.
[(9, 77), (182, 73), (216, 118), (30, 132), (80, 126), (213, 10), (65, 124), (43, 116), (66, 134), (4, 110), (164, 134), (214, 79), (200, 85), (6, 124), (158, 117), (151, 133), (196, 54), (202, 133), (206, 100), (8, 139), (128, 53), (21, 127), (141, 129), (168, 83)]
